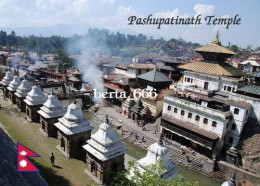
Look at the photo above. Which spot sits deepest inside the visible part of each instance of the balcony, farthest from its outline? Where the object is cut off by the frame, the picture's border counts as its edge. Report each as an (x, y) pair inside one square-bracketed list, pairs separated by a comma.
[(198, 90), (182, 102)]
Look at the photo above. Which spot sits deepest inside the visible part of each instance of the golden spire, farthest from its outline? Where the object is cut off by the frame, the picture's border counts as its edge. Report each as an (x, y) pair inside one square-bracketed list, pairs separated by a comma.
[(217, 41)]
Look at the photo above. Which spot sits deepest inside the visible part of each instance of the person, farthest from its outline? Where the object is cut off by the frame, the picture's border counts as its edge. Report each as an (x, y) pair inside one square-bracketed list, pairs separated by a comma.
[(52, 159), (143, 140)]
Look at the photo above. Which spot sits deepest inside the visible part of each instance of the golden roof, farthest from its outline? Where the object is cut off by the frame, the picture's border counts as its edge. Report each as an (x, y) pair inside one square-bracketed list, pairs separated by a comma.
[(215, 47), (213, 68)]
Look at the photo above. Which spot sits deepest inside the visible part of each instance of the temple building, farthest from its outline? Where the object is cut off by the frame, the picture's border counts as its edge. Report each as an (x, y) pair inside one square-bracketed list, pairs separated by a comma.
[(158, 151), (21, 93), (127, 105), (5, 82), (34, 100), (13, 85), (154, 81), (105, 151), (200, 114), (136, 111), (49, 114), (73, 131)]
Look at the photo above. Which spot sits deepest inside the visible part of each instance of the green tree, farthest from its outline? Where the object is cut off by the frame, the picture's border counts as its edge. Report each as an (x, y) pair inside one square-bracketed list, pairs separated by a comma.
[(150, 177), (234, 48), (63, 60)]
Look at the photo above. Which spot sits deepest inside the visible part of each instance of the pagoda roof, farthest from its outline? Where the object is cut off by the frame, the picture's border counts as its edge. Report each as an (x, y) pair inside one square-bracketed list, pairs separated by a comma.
[(35, 96), (52, 108), (105, 143), (215, 47), (23, 89), (155, 76), (213, 68), (137, 107), (129, 102), (14, 84)]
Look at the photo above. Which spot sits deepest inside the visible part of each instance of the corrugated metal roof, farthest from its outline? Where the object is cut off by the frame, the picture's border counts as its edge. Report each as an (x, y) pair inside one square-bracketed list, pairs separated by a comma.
[(213, 68), (251, 89), (154, 76)]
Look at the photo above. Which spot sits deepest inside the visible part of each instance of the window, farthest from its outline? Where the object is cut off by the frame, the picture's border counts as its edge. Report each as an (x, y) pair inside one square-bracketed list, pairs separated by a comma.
[(246, 112), (169, 107), (182, 112), (234, 126), (225, 87), (197, 118), (233, 89), (205, 121), (191, 80), (214, 123), (236, 111), (175, 110), (185, 79), (190, 115), (230, 140), (229, 89), (227, 126)]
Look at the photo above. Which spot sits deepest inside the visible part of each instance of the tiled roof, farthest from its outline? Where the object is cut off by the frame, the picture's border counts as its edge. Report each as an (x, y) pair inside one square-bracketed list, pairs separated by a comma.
[(191, 127), (215, 48), (121, 66), (154, 76), (213, 68), (251, 89), (117, 78), (142, 65), (240, 104)]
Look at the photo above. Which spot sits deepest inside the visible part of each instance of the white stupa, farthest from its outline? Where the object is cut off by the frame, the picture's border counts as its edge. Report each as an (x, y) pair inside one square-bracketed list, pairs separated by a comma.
[(158, 151), (105, 144), (231, 182), (73, 121), (8, 78), (23, 89), (52, 108), (14, 84), (35, 96)]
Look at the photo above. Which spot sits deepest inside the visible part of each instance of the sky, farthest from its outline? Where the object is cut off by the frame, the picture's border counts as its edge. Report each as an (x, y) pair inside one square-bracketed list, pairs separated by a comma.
[(35, 15)]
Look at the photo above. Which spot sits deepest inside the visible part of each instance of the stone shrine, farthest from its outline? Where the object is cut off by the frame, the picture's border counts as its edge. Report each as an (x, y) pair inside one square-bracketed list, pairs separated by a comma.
[(158, 151), (105, 152), (21, 93), (73, 131), (5, 81), (49, 114), (14, 84), (34, 100)]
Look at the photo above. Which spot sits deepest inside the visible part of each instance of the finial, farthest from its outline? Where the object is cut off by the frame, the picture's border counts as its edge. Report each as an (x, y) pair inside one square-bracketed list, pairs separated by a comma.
[(217, 41), (232, 181), (106, 120), (52, 92), (161, 139)]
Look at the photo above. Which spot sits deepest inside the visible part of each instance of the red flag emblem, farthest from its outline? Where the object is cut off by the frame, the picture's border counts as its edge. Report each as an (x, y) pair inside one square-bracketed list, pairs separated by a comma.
[(23, 162)]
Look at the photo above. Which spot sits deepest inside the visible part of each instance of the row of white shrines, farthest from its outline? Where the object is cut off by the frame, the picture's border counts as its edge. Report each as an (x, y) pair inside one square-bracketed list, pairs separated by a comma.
[(104, 149)]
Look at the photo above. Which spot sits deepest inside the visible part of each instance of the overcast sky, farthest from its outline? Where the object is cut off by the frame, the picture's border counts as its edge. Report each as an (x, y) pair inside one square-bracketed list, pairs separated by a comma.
[(113, 15)]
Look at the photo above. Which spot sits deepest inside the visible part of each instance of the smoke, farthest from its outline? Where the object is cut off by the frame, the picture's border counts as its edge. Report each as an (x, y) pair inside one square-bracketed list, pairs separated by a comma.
[(88, 52)]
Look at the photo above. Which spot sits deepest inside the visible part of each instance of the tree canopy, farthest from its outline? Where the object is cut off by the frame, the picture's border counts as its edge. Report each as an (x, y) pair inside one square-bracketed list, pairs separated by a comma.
[(151, 177)]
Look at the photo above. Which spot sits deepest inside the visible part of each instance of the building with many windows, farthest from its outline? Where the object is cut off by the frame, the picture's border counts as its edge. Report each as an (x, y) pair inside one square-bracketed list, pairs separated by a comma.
[(200, 114)]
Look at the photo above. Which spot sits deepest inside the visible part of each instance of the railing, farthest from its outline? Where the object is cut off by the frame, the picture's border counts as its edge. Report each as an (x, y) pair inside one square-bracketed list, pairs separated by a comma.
[(198, 90), (200, 108), (187, 134)]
